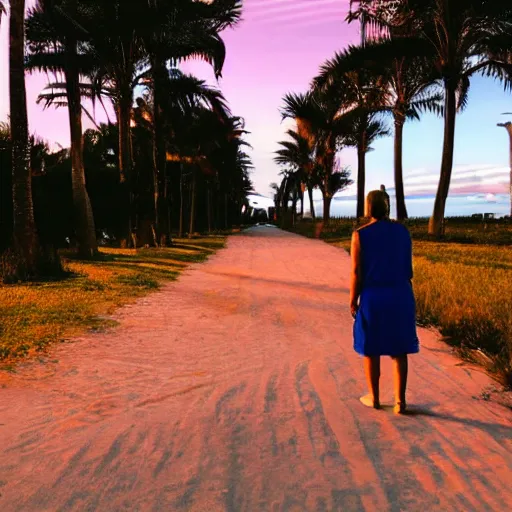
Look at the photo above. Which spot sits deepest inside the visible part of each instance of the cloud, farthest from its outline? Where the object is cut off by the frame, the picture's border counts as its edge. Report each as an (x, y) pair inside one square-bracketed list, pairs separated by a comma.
[(466, 180), (284, 8), (295, 12), (483, 198)]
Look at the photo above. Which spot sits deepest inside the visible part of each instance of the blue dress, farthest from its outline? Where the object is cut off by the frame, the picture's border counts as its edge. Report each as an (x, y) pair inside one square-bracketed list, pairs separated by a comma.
[(385, 324)]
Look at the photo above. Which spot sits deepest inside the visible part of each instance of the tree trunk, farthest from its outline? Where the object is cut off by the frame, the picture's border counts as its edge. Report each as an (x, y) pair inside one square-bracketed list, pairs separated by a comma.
[(83, 215), (209, 207), (125, 162), (156, 201), (436, 224), (280, 198), (327, 207), (361, 178), (311, 203), (192, 205), (301, 201), (156, 197), (226, 220), (181, 202), (26, 243), (294, 205), (286, 195), (217, 204), (168, 199), (159, 72), (401, 209)]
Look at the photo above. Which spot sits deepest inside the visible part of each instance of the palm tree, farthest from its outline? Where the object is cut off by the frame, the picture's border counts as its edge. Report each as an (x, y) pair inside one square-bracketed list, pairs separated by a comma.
[(461, 38), (412, 92), (297, 154), (182, 95), (134, 40), (338, 180), (5, 187), (359, 94), (291, 187), (366, 128), (209, 144), (115, 40), (175, 34), (277, 200), (411, 87), (26, 243), (56, 45), (318, 123), (232, 166)]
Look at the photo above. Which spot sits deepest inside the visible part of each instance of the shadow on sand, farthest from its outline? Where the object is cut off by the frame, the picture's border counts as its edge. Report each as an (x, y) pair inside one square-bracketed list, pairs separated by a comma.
[(499, 432), (279, 282)]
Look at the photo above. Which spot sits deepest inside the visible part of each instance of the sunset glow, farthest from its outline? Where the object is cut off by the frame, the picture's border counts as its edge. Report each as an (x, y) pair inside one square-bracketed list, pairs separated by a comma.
[(278, 48)]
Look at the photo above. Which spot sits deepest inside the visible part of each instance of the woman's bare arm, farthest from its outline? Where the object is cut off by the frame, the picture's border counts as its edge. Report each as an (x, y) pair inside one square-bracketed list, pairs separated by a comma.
[(355, 277)]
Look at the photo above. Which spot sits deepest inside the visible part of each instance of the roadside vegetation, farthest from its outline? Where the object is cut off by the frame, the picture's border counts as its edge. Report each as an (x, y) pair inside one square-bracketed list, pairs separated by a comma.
[(36, 314)]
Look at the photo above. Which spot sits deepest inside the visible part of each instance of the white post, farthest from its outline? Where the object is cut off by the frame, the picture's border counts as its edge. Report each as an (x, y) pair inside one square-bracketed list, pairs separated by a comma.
[(508, 127)]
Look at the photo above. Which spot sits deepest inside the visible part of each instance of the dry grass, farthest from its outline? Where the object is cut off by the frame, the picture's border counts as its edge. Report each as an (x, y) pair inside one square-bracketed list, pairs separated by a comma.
[(34, 315), (467, 292), (458, 230)]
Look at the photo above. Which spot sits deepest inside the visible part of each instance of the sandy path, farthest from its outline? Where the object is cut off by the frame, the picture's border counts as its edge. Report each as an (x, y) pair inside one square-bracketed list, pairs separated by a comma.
[(236, 389)]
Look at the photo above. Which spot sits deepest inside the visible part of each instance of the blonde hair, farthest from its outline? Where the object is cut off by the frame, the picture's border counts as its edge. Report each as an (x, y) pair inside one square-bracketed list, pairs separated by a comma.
[(376, 205)]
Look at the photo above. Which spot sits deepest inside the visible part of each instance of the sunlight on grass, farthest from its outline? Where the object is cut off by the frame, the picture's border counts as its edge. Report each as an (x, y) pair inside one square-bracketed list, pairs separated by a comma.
[(34, 315), (467, 292)]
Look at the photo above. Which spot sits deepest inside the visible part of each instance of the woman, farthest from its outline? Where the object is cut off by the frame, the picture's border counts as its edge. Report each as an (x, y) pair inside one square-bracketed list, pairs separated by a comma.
[(382, 300)]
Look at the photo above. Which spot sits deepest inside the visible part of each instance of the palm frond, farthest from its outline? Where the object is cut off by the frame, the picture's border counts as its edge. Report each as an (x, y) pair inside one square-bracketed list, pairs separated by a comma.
[(375, 130), (339, 180), (297, 106), (208, 47), (463, 93), (432, 104)]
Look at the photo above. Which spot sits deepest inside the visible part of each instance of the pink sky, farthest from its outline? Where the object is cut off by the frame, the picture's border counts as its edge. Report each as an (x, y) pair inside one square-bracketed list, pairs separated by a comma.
[(278, 48)]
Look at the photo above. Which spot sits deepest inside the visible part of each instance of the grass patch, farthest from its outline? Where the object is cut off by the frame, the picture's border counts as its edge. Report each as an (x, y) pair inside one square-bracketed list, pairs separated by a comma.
[(35, 315), (466, 291), (138, 281), (463, 288), (457, 230)]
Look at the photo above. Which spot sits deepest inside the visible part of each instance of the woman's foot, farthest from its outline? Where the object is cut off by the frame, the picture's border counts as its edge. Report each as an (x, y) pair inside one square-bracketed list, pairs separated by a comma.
[(369, 401), (400, 408)]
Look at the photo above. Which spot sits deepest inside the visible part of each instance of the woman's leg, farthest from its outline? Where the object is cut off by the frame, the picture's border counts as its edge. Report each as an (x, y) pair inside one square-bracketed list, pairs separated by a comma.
[(372, 371), (401, 367)]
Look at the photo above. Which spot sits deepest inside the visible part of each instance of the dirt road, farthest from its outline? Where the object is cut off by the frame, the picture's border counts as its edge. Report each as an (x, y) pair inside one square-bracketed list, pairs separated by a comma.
[(236, 389)]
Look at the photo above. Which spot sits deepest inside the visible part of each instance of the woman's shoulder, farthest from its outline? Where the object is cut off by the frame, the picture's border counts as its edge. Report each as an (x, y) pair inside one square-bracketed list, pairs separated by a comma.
[(399, 226), (402, 232), (366, 227), (392, 225)]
